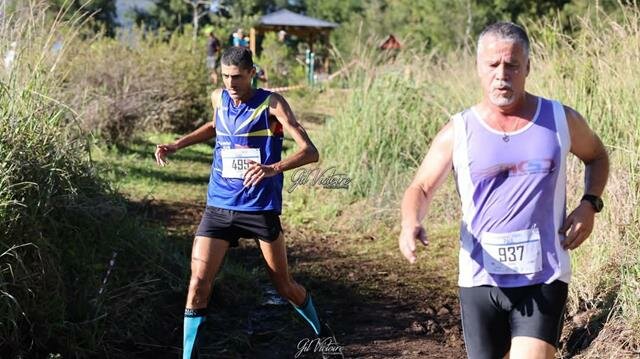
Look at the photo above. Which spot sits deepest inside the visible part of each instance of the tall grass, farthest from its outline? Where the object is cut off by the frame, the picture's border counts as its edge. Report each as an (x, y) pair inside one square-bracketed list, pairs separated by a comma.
[(596, 74), (380, 136), (60, 223)]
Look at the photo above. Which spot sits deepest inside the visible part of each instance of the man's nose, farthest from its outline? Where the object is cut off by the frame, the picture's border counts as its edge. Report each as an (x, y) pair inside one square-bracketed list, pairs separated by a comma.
[(501, 72)]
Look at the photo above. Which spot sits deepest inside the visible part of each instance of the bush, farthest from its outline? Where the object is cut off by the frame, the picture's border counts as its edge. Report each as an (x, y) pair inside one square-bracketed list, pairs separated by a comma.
[(277, 59), (141, 81), (61, 224)]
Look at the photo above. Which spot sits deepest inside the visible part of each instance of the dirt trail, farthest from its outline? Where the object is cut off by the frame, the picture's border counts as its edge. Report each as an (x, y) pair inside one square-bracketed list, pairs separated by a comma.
[(372, 311), (377, 310)]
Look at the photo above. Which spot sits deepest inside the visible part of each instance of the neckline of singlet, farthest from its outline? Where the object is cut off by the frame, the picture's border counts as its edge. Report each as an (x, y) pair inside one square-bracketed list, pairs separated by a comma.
[(252, 98), (512, 133)]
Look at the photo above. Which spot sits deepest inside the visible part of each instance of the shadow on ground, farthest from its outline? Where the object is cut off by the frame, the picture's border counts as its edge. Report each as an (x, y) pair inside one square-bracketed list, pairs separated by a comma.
[(371, 312)]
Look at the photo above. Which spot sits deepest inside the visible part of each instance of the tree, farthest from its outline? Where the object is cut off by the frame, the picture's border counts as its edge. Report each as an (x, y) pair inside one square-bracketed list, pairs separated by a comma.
[(199, 8), (174, 14), (168, 14), (337, 11), (102, 12)]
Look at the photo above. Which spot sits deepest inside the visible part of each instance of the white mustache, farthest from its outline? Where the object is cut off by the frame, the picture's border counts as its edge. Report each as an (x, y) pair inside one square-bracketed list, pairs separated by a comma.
[(502, 84)]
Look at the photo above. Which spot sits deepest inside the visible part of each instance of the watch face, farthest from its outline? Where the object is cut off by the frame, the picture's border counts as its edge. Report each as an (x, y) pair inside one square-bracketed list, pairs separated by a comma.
[(598, 204)]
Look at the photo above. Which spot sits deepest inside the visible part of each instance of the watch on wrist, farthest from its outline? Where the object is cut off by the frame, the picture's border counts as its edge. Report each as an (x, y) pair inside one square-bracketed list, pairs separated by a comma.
[(596, 202)]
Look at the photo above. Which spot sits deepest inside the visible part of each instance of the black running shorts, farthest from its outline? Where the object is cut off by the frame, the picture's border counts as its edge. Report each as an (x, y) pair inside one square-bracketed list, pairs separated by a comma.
[(232, 225), (491, 316)]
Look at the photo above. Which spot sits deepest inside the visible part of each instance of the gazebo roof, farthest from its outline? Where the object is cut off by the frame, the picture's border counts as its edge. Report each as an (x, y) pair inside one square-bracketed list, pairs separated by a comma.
[(285, 17)]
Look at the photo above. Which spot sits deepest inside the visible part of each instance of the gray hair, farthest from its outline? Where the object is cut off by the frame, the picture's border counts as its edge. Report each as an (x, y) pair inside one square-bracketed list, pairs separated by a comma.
[(507, 31)]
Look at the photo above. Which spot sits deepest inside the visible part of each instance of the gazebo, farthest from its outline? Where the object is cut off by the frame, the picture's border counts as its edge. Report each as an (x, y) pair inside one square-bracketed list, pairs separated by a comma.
[(304, 27)]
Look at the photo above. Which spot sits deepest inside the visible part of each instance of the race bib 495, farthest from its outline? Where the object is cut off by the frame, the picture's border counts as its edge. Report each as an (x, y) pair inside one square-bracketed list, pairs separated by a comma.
[(236, 161)]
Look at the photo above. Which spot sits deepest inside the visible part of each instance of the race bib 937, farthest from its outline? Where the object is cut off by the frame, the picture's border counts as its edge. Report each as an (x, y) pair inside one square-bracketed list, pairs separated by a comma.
[(512, 253)]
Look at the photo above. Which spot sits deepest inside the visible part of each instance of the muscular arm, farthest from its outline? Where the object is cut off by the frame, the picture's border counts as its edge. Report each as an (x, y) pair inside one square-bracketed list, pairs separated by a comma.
[(416, 200), (203, 133), (586, 145), (306, 152)]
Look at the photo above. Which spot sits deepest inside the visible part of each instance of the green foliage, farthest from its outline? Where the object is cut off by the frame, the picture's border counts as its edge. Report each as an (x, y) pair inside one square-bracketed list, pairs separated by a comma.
[(171, 15), (517, 11), (61, 223), (277, 59), (147, 83), (338, 11), (435, 25), (576, 12), (243, 8), (101, 12), (412, 95)]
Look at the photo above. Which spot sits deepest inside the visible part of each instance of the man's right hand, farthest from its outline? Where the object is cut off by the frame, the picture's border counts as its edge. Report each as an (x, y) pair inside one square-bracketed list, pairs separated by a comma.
[(162, 151), (407, 240)]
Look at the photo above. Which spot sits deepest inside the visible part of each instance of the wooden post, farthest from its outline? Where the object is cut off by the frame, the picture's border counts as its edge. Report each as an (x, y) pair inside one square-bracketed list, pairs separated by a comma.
[(252, 41), (326, 51)]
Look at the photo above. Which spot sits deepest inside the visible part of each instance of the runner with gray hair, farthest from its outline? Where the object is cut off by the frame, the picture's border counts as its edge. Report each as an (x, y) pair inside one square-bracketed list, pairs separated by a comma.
[(509, 154), (507, 31)]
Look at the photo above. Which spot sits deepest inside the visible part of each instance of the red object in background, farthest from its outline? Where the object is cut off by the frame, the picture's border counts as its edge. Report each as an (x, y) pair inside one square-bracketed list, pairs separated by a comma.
[(390, 43)]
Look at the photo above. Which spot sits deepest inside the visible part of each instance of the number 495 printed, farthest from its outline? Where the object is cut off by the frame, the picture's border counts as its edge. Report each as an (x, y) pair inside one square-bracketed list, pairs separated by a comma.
[(240, 164)]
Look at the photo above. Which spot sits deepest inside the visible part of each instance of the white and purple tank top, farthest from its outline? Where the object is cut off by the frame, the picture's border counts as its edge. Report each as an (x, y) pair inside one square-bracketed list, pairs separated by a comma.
[(513, 199)]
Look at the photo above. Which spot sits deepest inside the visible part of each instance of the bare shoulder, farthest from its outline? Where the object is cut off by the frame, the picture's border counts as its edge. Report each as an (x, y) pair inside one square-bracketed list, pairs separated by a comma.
[(215, 97), (280, 108), (444, 138), (573, 117), (585, 143), (577, 124), (277, 100)]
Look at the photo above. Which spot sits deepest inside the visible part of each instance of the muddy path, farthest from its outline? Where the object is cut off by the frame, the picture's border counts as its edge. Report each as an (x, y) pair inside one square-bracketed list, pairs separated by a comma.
[(377, 305), (372, 310), (377, 309)]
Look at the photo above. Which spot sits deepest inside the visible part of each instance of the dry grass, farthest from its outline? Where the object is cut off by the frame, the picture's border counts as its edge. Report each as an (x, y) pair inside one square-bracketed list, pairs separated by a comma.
[(381, 134)]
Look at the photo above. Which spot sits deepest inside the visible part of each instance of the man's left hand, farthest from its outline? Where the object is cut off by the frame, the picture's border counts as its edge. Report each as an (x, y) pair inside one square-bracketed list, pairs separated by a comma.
[(257, 172), (579, 225)]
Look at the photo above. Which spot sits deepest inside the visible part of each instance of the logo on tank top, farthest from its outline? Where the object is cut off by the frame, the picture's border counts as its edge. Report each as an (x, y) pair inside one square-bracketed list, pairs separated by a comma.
[(528, 167)]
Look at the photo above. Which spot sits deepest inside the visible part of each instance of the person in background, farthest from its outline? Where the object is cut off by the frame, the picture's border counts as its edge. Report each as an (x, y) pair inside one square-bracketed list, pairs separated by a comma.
[(260, 75), (213, 52), (239, 39)]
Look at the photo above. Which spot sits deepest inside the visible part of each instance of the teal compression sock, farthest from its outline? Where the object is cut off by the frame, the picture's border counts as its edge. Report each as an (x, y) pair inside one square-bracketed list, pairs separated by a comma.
[(193, 319), (308, 312)]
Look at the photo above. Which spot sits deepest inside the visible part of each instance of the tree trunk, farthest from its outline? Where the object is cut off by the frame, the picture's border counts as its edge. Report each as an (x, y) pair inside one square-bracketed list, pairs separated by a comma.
[(196, 21)]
